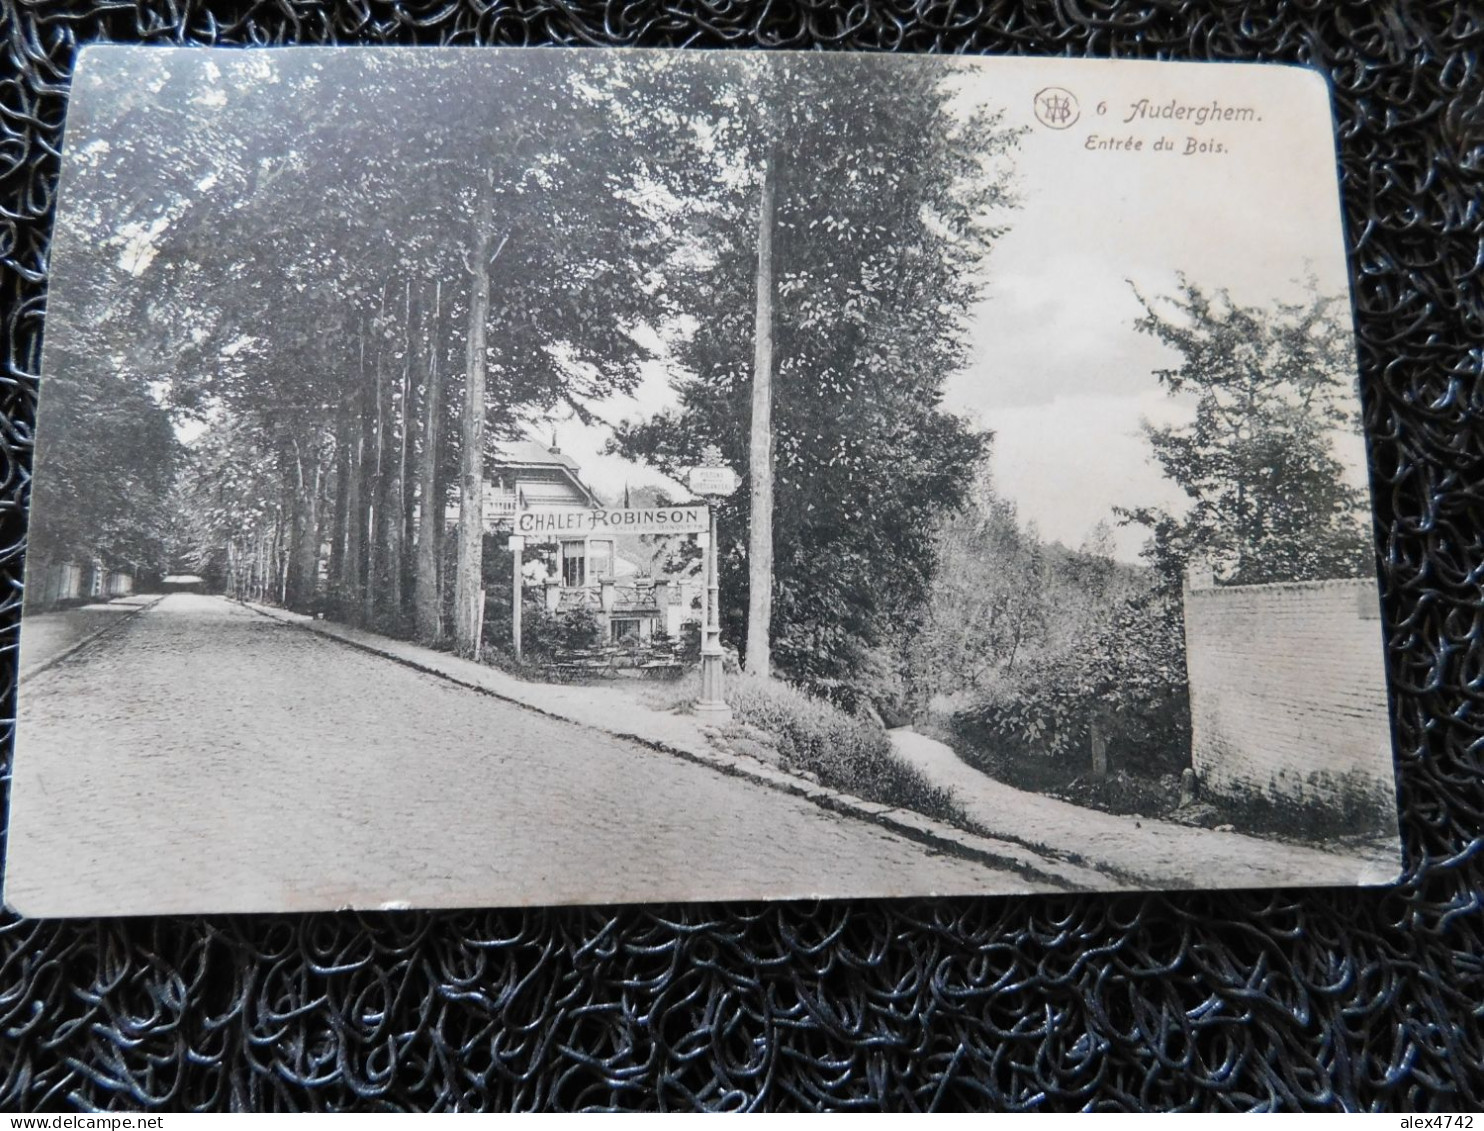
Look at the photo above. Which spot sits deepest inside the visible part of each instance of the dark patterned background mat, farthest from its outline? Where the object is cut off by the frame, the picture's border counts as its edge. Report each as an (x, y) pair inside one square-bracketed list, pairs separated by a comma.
[(1321, 1000)]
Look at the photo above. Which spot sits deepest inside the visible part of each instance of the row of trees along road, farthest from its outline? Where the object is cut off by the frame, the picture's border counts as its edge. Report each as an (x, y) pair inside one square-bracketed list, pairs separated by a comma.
[(356, 304)]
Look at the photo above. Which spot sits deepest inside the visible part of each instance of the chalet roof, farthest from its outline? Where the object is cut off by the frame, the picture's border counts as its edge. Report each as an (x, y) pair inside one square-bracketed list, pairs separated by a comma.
[(532, 460), (528, 453)]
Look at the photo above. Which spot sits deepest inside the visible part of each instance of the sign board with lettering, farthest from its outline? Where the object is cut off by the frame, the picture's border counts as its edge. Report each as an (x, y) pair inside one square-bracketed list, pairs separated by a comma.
[(713, 480), (567, 522)]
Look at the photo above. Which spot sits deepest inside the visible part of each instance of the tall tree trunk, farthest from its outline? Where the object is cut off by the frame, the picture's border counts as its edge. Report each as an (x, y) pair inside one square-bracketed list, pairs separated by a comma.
[(383, 502), (340, 520), (304, 533), (468, 573), (352, 572), (280, 558), (375, 466), (266, 559), (406, 448), (268, 562), (426, 600), (232, 584), (314, 533), (365, 512), (393, 506), (445, 540), (760, 455)]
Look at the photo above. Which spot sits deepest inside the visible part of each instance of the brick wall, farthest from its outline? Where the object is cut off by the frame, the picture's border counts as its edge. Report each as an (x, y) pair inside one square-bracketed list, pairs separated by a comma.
[(1288, 691)]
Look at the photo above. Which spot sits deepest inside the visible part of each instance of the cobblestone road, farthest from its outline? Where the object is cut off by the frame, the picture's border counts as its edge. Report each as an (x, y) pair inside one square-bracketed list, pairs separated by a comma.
[(203, 757)]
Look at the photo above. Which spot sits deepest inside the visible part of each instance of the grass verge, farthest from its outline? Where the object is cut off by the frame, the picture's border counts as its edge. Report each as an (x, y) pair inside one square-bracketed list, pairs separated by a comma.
[(812, 736)]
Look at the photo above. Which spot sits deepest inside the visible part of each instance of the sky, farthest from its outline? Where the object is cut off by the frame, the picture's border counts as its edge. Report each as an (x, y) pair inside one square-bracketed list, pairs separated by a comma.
[(1057, 369), (606, 474)]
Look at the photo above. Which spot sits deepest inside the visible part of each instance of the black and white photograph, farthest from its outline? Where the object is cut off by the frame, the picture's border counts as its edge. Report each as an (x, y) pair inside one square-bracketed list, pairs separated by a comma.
[(533, 477)]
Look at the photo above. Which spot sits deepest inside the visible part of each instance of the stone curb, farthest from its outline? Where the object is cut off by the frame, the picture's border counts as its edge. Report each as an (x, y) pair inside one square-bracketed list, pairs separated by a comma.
[(24, 674), (1041, 874)]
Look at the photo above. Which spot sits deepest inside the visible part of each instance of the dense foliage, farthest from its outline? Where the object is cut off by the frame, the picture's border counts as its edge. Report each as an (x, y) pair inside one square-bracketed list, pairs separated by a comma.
[(1045, 654), (109, 462), (1121, 683), (883, 216), (328, 320), (1033, 649), (277, 282), (1273, 385)]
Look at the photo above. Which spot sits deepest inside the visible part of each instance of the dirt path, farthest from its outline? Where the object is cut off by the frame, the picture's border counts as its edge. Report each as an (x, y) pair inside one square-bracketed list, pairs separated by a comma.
[(1160, 853)]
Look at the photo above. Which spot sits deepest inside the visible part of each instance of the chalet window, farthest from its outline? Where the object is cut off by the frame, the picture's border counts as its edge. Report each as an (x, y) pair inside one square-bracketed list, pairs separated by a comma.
[(600, 560), (574, 565)]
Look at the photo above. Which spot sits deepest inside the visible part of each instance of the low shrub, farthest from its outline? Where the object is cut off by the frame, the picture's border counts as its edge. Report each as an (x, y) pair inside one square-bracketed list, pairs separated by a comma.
[(1035, 736), (1331, 807), (845, 752), (505, 660), (689, 646), (678, 695), (578, 630), (543, 633), (1125, 794)]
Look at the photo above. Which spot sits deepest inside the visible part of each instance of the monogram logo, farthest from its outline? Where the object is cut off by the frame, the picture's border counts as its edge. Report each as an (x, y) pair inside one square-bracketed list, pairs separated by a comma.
[(1056, 108)]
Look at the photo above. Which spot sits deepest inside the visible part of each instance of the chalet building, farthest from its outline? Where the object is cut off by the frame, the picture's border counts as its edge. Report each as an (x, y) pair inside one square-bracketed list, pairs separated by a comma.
[(577, 572), (527, 476)]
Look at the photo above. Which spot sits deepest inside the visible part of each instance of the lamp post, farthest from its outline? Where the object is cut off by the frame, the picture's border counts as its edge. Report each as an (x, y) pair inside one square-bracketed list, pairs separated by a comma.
[(712, 480), (517, 545)]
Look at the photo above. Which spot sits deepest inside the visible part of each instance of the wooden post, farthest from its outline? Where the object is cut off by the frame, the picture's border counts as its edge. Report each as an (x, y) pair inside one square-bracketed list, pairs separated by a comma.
[(606, 599), (1099, 753), (517, 544), (479, 626)]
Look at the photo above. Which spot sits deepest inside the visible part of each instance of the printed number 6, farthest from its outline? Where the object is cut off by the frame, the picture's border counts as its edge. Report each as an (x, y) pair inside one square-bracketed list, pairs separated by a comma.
[(1102, 107)]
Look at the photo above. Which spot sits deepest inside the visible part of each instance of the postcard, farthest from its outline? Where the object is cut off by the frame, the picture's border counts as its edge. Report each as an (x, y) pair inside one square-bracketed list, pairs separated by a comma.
[(536, 477)]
